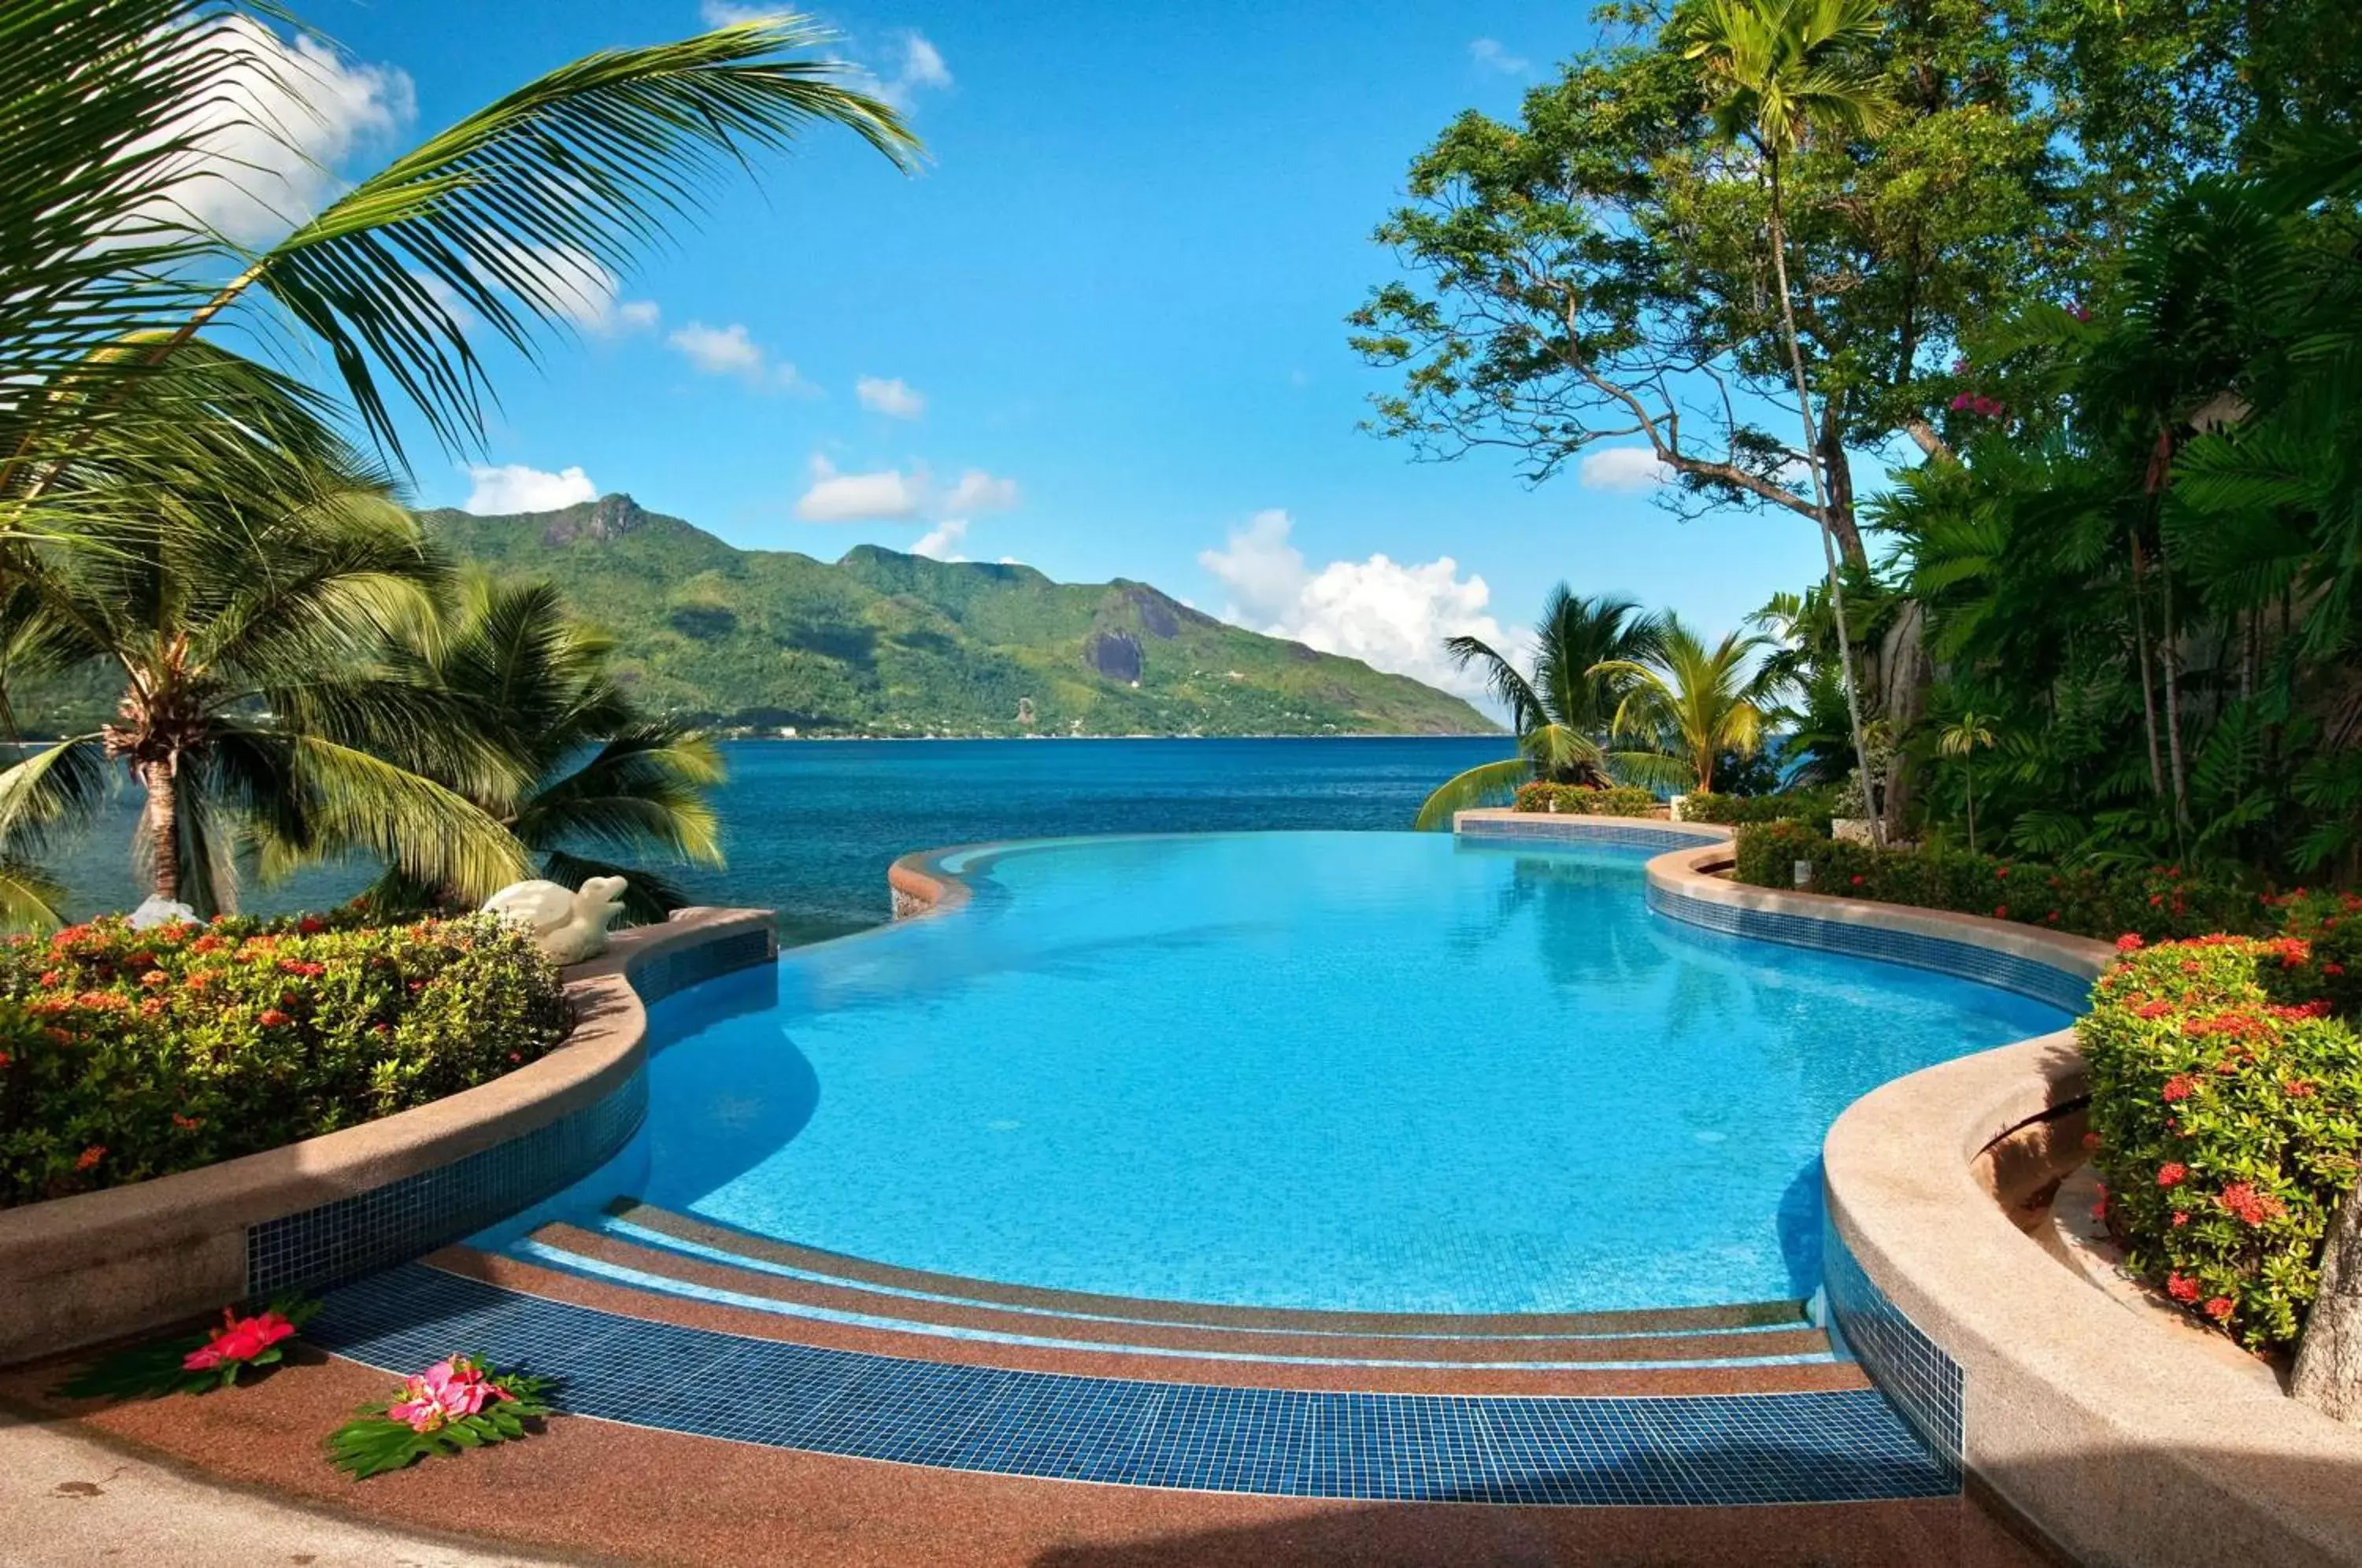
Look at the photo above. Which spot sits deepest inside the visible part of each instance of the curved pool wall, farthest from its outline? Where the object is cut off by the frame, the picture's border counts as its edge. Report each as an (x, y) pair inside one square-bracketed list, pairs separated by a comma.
[(124, 1260)]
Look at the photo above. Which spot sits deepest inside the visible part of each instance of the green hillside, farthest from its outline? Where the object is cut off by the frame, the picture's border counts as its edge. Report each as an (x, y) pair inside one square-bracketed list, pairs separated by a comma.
[(887, 643)]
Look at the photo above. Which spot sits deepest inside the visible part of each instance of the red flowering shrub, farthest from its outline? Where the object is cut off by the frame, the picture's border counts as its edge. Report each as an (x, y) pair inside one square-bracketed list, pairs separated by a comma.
[(1621, 802), (125, 1053), (2155, 903), (2227, 1104)]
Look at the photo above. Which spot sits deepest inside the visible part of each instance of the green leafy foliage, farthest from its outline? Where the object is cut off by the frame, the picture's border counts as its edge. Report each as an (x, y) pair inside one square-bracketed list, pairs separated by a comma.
[(1810, 807), (2095, 901), (2226, 1106), (1618, 801), (125, 1055), (513, 1405)]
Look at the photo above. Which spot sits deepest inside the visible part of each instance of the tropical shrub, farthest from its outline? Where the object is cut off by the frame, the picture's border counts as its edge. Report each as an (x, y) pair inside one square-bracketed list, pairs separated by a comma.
[(1811, 807), (2155, 902), (2226, 1106), (125, 1055), (1617, 800)]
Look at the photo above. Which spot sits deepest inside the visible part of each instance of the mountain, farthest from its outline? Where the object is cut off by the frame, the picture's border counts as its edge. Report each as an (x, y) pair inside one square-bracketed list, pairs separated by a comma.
[(887, 644)]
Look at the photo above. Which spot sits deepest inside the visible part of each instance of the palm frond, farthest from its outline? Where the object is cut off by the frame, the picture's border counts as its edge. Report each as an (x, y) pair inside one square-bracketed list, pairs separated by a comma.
[(1486, 784)]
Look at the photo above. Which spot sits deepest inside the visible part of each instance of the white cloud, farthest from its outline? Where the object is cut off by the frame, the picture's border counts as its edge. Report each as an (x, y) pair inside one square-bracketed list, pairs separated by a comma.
[(636, 315), (893, 398), (923, 63), (722, 13), (1626, 469), (1389, 615), (719, 351), (980, 491), (851, 498), (1489, 55), (266, 138), (943, 540), (514, 487)]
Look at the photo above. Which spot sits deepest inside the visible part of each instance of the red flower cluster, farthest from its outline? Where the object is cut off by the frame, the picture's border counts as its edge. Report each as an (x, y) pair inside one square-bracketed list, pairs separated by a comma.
[(2179, 1087), (2172, 1173), (2181, 1287), (2245, 1203), (238, 1339)]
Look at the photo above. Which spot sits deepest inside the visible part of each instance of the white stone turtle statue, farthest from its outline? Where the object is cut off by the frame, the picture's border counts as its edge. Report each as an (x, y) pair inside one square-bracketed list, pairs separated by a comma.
[(566, 925)]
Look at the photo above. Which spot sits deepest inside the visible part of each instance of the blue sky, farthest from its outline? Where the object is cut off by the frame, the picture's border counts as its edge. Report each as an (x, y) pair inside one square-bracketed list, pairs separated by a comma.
[(1103, 329)]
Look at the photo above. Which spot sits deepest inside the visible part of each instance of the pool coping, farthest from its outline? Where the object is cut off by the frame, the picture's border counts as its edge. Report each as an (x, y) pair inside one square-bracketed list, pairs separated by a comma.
[(102, 1264), (2089, 1421)]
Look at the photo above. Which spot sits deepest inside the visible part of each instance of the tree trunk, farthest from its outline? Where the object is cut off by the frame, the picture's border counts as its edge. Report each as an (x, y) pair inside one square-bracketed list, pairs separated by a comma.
[(2148, 692), (164, 786), (2169, 656), (2328, 1373), (1821, 506)]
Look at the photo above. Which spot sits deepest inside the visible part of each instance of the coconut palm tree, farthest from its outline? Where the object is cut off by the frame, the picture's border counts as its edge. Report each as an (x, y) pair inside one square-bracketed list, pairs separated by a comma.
[(1963, 738), (1782, 75), (1692, 702), (592, 772), (1560, 709), (258, 716), (120, 115)]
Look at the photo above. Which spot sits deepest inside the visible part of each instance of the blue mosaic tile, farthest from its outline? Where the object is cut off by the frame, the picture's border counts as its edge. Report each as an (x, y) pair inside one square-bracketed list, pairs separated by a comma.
[(1924, 1384), (1723, 1449), (1543, 826), (416, 1214), (2061, 988)]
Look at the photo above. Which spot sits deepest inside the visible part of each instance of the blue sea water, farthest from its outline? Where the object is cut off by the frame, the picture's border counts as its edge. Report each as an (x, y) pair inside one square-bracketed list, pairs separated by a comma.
[(811, 827), (1368, 1071)]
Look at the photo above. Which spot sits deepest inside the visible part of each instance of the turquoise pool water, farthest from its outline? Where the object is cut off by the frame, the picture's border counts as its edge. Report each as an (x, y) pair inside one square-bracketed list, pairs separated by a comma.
[(1372, 1071)]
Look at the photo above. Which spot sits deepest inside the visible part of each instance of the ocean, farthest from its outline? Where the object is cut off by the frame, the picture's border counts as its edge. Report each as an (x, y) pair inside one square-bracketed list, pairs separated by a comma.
[(811, 827)]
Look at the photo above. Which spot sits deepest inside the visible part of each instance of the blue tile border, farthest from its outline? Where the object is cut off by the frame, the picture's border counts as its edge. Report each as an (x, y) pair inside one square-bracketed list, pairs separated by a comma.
[(1703, 1451), (1547, 828), (415, 1214), (2060, 988), (1925, 1385)]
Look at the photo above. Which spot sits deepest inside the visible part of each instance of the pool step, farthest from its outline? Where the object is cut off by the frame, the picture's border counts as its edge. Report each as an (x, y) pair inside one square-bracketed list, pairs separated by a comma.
[(625, 1268), (665, 1227)]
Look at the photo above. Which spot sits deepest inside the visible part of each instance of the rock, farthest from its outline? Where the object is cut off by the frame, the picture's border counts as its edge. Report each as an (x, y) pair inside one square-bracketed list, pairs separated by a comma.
[(566, 925), (1116, 655), (153, 912)]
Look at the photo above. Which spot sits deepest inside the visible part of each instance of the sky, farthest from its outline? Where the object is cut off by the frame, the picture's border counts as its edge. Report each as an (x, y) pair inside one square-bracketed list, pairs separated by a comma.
[(1100, 333)]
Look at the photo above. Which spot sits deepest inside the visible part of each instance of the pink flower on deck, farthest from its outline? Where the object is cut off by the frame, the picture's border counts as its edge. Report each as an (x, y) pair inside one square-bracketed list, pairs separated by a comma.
[(449, 1391)]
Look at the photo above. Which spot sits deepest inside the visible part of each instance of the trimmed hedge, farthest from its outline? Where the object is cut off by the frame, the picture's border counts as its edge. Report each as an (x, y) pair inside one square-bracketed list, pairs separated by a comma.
[(125, 1055), (2226, 1108), (1623, 801), (2155, 903), (1810, 807)]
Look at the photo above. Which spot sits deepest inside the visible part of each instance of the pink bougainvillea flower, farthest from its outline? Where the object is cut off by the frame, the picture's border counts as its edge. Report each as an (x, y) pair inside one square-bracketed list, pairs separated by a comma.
[(449, 1391), (238, 1339)]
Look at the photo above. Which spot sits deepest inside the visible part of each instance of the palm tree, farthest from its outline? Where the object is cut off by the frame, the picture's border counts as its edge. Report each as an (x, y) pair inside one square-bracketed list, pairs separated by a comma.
[(1963, 738), (258, 716), (1561, 709), (591, 770), (1692, 702), (116, 112), (1782, 70)]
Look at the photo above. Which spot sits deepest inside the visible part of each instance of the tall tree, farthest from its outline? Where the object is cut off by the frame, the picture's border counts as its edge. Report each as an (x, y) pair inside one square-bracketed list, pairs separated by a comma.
[(1562, 708), (247, 629), (1694, 703), (1784, 74), (593, 775)]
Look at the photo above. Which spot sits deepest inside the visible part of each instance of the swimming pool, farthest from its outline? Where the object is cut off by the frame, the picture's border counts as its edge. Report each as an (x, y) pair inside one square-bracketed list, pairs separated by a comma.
[(1372, 1072)]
